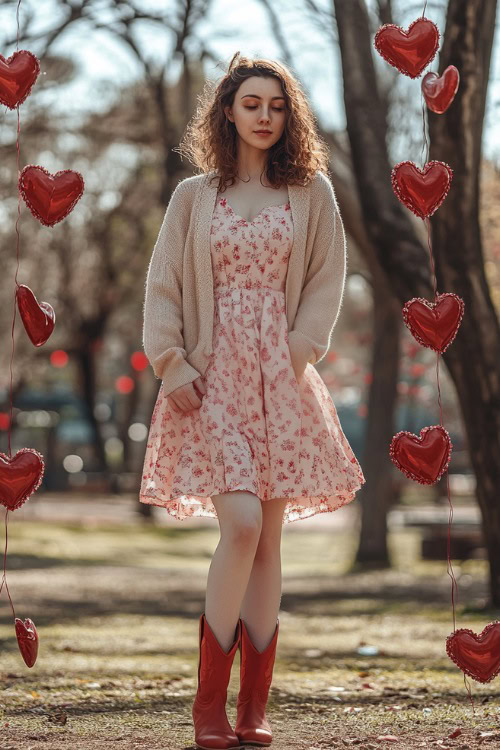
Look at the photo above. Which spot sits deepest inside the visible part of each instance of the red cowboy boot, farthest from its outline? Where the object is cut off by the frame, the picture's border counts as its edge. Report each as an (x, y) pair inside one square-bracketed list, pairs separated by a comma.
[(256, 673), (212, 728)]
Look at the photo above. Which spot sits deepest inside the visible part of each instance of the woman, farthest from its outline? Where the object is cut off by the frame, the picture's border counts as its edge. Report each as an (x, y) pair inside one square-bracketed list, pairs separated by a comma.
[(243, 291)]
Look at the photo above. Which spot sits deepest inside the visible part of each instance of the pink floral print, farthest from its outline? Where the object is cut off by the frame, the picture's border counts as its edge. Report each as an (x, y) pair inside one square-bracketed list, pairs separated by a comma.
[(257, 429)]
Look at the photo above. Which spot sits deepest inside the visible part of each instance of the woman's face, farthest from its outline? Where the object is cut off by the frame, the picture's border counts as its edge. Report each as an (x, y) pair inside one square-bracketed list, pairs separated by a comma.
[(259, 104)]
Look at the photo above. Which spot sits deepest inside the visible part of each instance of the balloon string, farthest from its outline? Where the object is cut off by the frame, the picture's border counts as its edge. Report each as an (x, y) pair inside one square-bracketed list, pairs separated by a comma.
[(438, 355), (454, 585), (426, 142), (4, 578), (17, 252), (467, 687)]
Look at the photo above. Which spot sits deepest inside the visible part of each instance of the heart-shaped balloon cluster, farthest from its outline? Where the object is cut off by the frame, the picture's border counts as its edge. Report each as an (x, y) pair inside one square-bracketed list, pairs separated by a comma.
[(50, 198), (476, 655), (433, 324)]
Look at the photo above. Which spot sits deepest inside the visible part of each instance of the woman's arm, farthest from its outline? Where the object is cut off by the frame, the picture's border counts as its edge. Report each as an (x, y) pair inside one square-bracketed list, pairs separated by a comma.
[(162, 314), (323, 291)]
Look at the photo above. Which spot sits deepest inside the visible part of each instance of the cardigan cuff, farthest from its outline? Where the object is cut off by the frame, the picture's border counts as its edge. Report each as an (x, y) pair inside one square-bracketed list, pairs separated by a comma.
[(303, 344), (179, 375)]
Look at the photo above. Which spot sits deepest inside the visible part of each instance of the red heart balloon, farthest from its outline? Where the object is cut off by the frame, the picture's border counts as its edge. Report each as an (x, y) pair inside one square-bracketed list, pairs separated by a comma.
[(422, 190), (18, 73), (476, 655), (27, 640), (439, 91), (20, 476), (50, 197), (408, 51), (423, 458), (434, 324), (38, 317)]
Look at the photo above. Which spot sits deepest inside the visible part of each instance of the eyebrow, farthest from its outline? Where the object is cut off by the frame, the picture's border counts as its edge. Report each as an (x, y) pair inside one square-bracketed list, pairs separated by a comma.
[(259, 97)]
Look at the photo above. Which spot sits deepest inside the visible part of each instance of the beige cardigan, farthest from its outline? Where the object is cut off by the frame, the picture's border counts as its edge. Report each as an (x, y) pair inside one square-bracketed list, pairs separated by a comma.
[(179, 298)]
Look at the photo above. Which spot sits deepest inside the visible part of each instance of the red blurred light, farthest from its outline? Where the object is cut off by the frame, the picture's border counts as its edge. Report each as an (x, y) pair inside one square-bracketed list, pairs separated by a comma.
[(59, 358), (139, 361), (417, 370), (124, 384), (4, 420)]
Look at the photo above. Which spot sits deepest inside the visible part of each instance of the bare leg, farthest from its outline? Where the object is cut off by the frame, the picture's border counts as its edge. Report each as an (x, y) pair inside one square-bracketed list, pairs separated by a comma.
[(261, 603), (240, 518)]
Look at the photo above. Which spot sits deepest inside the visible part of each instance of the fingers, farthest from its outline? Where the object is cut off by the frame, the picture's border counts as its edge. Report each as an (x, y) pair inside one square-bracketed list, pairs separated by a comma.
[(187, 399)]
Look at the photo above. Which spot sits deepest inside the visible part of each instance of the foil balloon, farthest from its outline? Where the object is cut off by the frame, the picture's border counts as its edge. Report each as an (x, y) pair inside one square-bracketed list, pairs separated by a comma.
[(408, 51), (20, 476), (422, 190), (18, 74), (38, 317), (27, 640), (434, 324), (439, 91), (476, 655), (423, 458), (50, 197)]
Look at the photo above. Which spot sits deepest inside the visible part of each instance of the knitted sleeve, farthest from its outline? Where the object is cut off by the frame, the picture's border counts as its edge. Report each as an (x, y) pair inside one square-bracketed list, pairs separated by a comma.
[(323, 291), (162, 314)]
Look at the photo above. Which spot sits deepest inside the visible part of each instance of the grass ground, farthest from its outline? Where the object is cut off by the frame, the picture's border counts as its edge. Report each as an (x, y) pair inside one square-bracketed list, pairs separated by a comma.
[(117, 612)]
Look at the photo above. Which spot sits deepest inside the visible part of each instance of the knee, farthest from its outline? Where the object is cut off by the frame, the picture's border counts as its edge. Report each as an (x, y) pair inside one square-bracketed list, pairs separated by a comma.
[(245, 533)]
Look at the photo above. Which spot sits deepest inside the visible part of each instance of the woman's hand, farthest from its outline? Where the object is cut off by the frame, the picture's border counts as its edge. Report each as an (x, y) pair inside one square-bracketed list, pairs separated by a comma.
[(187, 397)]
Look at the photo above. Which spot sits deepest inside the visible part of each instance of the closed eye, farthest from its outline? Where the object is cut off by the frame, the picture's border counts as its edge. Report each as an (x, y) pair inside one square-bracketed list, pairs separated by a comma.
[(277, 109)]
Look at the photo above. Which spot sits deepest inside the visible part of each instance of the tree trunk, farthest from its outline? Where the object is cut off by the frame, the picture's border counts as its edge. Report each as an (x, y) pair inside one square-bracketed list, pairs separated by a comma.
[(377, 494), (86, 370)]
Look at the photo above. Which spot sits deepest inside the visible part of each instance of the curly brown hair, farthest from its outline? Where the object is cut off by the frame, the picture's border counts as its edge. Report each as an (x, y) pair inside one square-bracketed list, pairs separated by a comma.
[(210, 141)]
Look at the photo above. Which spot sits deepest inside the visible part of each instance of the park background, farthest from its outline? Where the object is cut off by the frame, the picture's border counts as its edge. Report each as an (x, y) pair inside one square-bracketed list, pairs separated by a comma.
[(115, 587)]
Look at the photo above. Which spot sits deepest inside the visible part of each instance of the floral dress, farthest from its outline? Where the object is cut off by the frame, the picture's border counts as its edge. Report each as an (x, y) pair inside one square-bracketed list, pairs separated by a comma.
[(257, 429)]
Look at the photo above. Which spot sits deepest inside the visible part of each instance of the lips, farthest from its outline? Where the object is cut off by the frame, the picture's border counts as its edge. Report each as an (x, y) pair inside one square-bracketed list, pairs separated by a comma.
[(268, 132)]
